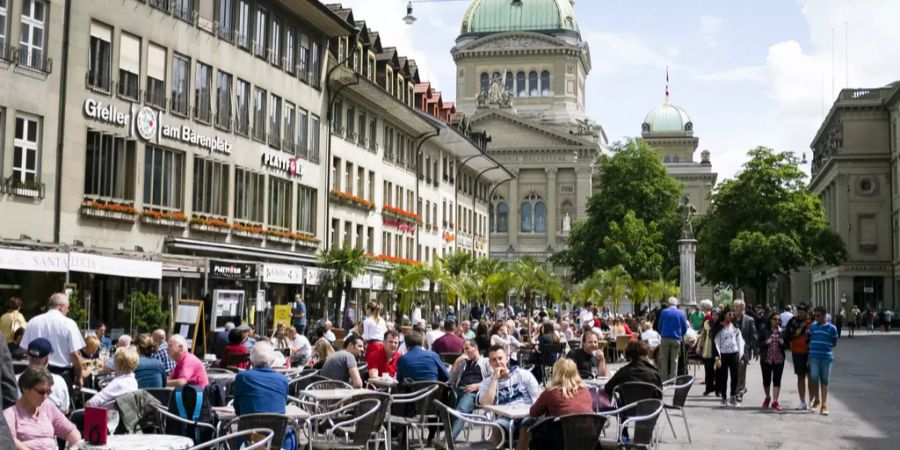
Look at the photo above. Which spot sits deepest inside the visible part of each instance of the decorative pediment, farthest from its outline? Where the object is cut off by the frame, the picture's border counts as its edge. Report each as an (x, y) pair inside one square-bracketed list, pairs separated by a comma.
[(514, 41), (509, 131)]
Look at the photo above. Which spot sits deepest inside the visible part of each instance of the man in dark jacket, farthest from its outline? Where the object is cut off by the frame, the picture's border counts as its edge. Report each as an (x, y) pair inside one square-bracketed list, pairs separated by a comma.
[(639, 368), (749, 332), (8, 387)]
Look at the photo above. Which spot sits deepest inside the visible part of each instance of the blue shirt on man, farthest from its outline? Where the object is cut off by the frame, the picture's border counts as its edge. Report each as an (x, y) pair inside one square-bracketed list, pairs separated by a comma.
[(260, 390), (822, 338), (672, 323), (299, 307), (419, 364), (150, 373)]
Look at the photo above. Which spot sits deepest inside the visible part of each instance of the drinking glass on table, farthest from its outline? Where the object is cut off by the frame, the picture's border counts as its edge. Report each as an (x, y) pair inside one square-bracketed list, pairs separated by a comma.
[(112, 421)]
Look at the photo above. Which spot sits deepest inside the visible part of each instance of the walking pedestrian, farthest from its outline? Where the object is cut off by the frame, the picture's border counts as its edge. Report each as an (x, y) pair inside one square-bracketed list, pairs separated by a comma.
[(65, 336), (672, 326), (888, 317), (707, 351), (747, 325), (729, 350), (822, 339), (870, 320), (839, 321), (852, 316), (772, 360), (797, 332), (298, 311)]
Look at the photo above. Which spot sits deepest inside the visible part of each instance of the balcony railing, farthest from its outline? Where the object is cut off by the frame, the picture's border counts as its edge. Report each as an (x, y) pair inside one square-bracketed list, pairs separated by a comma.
[(26, 189), (6, 53), (34, 59)]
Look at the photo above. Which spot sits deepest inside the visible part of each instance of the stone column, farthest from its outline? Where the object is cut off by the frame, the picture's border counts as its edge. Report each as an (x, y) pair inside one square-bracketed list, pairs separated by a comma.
[(687, 249), (552, 206), (582, 190), (513, 202)]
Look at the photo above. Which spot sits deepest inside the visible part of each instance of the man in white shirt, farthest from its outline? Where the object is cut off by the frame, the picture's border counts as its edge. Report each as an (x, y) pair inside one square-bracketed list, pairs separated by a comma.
[(64, 337), (586, 317), (416, 315), (39, 351), (433, 334), (301, 348), (786, 316)]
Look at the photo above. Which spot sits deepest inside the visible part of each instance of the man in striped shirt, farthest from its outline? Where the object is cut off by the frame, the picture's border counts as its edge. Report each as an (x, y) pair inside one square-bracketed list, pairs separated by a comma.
[(822, 339)]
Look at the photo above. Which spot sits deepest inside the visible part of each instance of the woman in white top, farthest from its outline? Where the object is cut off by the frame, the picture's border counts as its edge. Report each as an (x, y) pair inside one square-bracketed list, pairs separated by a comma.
[(729, 349), (126, 360), (374, 327), (500, 336)]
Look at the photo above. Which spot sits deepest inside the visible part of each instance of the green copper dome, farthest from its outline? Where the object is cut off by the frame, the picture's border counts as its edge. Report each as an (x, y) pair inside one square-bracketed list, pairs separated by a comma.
[(668, 119), (494, 16)]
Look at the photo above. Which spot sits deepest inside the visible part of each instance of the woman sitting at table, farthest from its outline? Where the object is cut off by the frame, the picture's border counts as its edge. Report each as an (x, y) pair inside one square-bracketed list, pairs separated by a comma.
[(566, 393), (150, 372), (548, 357), (126, 360), (322, 351), (36, 423), (235, 347)]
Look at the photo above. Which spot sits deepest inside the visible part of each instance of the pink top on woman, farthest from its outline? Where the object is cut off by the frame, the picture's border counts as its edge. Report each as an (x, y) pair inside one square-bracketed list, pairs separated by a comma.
[(38, 432)]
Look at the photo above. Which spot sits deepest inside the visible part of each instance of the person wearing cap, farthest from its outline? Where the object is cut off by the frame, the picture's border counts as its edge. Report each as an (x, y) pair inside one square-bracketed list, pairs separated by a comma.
[(38, 354), (63, 334)]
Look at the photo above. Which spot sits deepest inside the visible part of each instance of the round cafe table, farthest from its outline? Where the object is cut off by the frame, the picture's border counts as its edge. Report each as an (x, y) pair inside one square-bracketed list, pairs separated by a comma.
[(141, 442)]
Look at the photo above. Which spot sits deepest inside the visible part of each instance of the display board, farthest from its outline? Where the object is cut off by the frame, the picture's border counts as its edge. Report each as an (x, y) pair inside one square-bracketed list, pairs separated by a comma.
[(190, 324), (227, 306), (282, 315)]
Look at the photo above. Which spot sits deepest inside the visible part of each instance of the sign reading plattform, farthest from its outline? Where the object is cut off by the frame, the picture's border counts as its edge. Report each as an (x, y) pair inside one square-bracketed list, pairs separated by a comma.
[(148, 124), (282, 162)]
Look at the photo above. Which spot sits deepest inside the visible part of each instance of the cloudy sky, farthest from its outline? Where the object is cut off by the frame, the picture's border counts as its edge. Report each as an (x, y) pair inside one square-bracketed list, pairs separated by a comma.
[(748, 73)]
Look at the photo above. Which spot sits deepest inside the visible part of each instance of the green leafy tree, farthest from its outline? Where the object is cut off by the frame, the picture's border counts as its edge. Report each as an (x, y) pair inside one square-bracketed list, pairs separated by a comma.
[(345, 264), (764, 223), (146, 312), (76, 310), (631, 179), (530, 277)]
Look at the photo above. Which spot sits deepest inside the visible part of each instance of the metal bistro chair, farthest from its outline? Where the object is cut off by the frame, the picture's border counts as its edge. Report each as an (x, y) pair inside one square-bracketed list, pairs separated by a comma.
[(278, 423), (356, 430), (300, 384), (166, 417), (447, 415), (680, 387), (263, 435), (582, 431), (408, 411), (381, 429), (643, 415), (633, 391), (444, 394), (547, 369), (164, 395)]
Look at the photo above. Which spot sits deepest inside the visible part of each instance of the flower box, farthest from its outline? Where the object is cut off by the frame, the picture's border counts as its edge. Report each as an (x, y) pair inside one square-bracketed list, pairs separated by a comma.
[(279, 239), (114, 211), (164, 218), (351, 200), (400, 214), (250, 231), (209, 224)]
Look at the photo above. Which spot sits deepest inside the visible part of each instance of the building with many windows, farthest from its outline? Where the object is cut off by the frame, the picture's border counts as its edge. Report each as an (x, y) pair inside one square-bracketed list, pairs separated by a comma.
[(184, 147)]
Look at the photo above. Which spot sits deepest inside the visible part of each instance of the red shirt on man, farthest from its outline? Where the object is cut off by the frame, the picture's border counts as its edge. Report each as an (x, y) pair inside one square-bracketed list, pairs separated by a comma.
[(378, 359)]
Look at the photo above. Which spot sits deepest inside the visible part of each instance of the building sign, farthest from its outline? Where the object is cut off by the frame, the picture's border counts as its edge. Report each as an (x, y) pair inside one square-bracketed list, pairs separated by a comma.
[(120, 267), (403, 227), (282, 162), (464, 241), (148, 124), (232, 271), (282, 273), (363, 281), (33, 261), (315, 276)]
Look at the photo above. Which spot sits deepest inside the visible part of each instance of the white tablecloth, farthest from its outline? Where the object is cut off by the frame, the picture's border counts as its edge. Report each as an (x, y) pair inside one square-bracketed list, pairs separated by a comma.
[(141, 442)]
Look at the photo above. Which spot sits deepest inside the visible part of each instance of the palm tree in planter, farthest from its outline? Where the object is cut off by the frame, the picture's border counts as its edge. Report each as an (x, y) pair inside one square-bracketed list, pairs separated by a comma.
[(393, 277), (417, 277), (345, 265), (617, 282), (529, 277), (456, 267)]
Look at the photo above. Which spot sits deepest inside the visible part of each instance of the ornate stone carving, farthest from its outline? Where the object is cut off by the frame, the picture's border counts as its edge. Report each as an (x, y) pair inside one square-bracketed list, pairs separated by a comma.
[(687, 217), (584, 127), (645, 127), (497, 93), (515, 43)]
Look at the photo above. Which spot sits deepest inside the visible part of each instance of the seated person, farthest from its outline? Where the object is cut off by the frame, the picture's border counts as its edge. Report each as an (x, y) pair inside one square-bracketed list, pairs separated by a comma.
[(383, 360), (342, 365), (150, 372), (589, 359), (261, 389), (469, 370), (322, 351), (36, 423), (126, 360), (39, 351), (235, 347), (639, 368), (450, 342), (566, 393), (507, 387), (419, 364), (301, 349), (650, 336), (188, 368)]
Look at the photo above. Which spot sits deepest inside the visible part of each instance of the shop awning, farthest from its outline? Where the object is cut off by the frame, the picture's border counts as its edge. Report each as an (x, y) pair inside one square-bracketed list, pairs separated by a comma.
[(33, 261), (110, 265)]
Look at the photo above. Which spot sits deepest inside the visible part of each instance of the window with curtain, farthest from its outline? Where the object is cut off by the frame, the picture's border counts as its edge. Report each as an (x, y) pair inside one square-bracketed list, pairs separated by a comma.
[(306, 209), (280, 203), (502, 217), (249, 194), (533, 84), (260, 33), (202, 93), (521, 86), (181, 71), (210, 187), (302, 133), (540, 217), (163, 177), (100, 57), (223, 100), (545, 84)]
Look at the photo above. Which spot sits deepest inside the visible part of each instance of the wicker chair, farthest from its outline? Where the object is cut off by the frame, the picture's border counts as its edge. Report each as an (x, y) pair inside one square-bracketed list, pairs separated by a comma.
[(447, 415), (278, 423), (264, 435), (680, 387), (327, 384)]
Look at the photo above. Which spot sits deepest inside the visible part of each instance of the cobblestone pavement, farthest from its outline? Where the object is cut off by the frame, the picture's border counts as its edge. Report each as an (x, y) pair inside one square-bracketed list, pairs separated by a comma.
[(863, 401)]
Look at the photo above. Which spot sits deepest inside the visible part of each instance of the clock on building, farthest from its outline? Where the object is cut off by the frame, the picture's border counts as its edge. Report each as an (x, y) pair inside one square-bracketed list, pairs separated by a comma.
[(146, 123)]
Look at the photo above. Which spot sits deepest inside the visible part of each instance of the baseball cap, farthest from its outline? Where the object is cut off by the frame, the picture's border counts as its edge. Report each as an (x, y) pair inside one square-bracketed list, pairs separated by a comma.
[(39, 348), (243, 327)]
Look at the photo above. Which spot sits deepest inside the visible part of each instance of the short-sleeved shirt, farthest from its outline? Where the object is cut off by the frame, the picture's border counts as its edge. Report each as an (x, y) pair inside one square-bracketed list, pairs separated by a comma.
[(584, 361), (299, 307), (378, 360), (338, 365), (59, 393), (822, 338), (190, 368), (448, 343), (519, 387), (697, 318), (150, 373), (61, 331), (38, 432), (260, 390)]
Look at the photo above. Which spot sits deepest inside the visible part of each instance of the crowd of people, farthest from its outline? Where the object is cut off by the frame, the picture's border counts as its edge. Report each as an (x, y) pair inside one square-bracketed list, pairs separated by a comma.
[(495, 356)]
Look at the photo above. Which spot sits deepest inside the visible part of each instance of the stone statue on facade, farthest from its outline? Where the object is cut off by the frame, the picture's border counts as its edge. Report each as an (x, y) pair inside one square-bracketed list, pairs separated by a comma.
[(567, 223), (497, 93), (687, 217)]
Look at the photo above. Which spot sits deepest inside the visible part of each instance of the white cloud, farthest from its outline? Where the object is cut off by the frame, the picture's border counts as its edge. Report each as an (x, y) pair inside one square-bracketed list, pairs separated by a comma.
[(754, 74), (615, 52), (710, 27)]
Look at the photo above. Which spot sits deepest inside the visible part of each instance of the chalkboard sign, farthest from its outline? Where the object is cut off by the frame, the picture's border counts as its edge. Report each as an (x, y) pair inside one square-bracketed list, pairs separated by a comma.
[(190, 324)]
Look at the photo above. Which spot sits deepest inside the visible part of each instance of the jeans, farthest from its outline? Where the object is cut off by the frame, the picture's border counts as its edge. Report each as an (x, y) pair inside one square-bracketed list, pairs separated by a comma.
[(819, 370), (771, 373), (730, 362), (669, 350), (464, 404)]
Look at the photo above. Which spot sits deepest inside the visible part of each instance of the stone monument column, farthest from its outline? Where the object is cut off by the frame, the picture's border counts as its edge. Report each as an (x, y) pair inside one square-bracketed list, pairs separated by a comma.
[(552, 206), (687, 251)]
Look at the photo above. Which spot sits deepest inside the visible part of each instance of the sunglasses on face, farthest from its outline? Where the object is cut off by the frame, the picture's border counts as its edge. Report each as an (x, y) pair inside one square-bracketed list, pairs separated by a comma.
[(42, 393)]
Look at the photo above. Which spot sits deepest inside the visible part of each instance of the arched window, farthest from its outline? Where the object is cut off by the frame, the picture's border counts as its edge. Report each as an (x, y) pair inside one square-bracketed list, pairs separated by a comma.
[(540, 217), (510, 83), (533, 84), (502, 217), (521, 87), (485, 81), (675, 159), (666, 159), (545, 84), (526, 217)]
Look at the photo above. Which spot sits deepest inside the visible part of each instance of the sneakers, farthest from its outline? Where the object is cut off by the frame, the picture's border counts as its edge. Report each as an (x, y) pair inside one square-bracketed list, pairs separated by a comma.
[(724, 403), (824, 410), (766, 403), (776, 406), (802, 407), (733, 402)]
